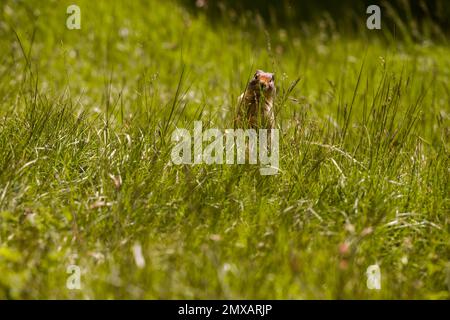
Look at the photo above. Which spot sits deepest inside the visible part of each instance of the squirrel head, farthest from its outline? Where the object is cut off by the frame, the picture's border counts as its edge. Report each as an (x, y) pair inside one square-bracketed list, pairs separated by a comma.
[(263, 81)]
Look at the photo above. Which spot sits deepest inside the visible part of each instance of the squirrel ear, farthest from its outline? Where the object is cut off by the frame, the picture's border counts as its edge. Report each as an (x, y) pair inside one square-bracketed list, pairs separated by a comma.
[(273, 76), (259, 71)]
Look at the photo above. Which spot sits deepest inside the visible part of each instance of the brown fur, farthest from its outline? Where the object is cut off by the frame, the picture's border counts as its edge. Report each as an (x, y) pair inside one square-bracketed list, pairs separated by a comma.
[(255, 105)]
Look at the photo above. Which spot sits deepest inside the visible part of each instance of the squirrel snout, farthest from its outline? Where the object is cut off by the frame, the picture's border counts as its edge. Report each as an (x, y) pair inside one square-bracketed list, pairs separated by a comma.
[(266, 81), (263, 80), (265, 84)]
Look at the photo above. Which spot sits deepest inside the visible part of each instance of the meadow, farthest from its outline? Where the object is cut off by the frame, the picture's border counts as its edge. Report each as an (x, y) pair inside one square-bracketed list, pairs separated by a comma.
[(86, 118)]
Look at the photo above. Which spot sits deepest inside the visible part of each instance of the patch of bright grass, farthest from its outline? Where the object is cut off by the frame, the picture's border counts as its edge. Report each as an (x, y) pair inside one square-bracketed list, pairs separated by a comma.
[(86, 118)]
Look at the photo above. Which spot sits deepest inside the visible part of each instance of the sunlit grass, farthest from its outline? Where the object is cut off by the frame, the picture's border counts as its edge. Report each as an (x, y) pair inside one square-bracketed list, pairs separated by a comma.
[(85, 124)]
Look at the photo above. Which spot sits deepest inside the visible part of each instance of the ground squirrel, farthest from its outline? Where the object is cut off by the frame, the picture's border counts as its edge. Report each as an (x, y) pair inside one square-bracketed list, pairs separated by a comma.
[(255, 105)]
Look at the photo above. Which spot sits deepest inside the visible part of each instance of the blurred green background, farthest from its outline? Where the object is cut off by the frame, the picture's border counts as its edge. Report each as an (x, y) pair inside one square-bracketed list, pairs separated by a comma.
[(86, 118)]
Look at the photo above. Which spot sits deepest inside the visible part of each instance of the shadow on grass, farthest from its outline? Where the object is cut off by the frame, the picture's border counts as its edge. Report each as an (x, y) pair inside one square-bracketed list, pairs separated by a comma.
[(412, 19)]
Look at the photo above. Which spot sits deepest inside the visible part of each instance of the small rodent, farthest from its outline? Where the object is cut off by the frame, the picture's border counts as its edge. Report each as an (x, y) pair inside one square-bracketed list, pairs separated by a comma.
[(255, 105)]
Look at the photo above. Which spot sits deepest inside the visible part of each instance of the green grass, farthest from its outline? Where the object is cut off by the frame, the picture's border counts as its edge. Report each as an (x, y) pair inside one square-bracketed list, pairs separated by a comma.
[(86, 118)]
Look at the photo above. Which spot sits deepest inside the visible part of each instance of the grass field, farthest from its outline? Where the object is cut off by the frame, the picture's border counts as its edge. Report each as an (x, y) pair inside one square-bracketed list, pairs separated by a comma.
[(86, 118)]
